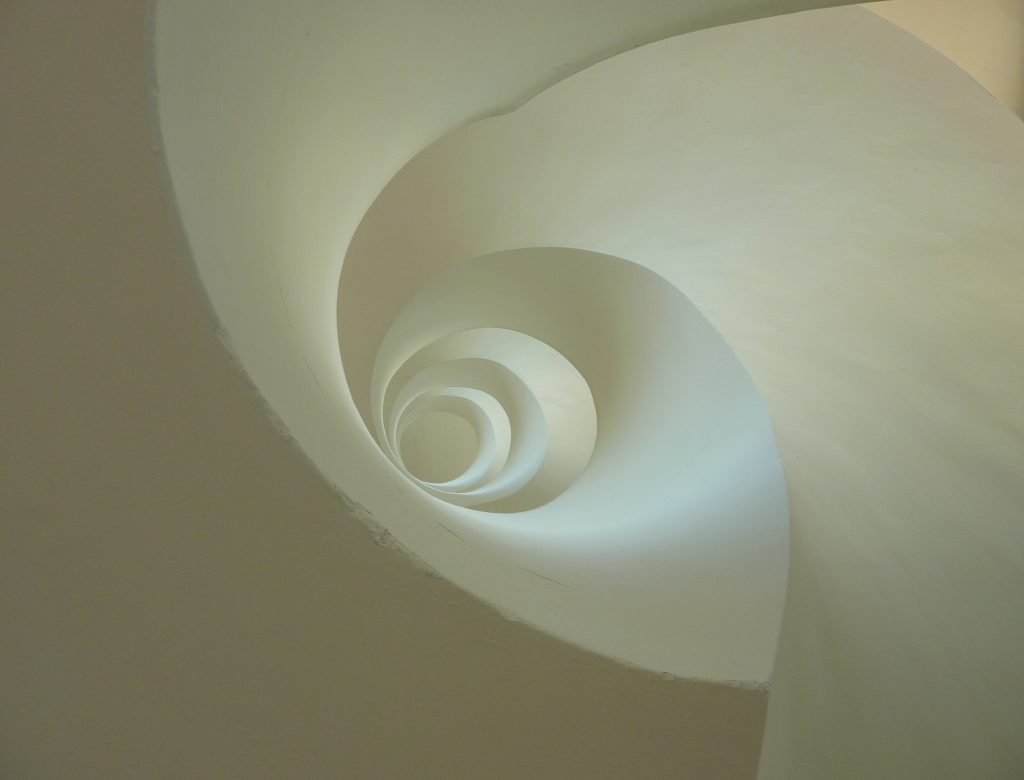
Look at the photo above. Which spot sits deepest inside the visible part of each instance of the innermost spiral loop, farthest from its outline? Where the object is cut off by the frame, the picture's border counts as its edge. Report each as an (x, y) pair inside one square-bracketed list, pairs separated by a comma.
[(437, 447), (530, 412)]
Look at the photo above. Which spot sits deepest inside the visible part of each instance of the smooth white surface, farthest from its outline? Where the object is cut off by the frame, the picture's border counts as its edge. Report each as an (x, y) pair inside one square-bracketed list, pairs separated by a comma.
[(848, 204), (273, 171)]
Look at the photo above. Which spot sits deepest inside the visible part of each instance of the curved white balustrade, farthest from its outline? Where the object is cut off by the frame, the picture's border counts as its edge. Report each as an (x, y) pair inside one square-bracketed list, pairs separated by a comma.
[(555, 295)]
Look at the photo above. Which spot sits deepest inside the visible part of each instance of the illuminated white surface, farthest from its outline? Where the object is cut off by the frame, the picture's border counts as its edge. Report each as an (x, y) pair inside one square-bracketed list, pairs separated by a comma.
[(618, 551), (784, 175)]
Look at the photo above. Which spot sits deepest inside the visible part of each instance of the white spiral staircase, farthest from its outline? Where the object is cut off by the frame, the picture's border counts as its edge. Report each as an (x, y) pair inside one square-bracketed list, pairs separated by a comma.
[(591, 316)]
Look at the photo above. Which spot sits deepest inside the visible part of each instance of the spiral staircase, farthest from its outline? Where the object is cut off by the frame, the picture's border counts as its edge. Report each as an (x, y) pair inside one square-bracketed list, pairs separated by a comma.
[(637, 390)]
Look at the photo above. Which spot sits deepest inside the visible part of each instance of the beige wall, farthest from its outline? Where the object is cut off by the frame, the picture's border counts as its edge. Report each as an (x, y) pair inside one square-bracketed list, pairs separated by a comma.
[(984, 37)]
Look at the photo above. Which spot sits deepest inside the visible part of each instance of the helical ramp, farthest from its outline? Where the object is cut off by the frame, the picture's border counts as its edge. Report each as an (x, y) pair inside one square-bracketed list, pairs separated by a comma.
[(553, 292)]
